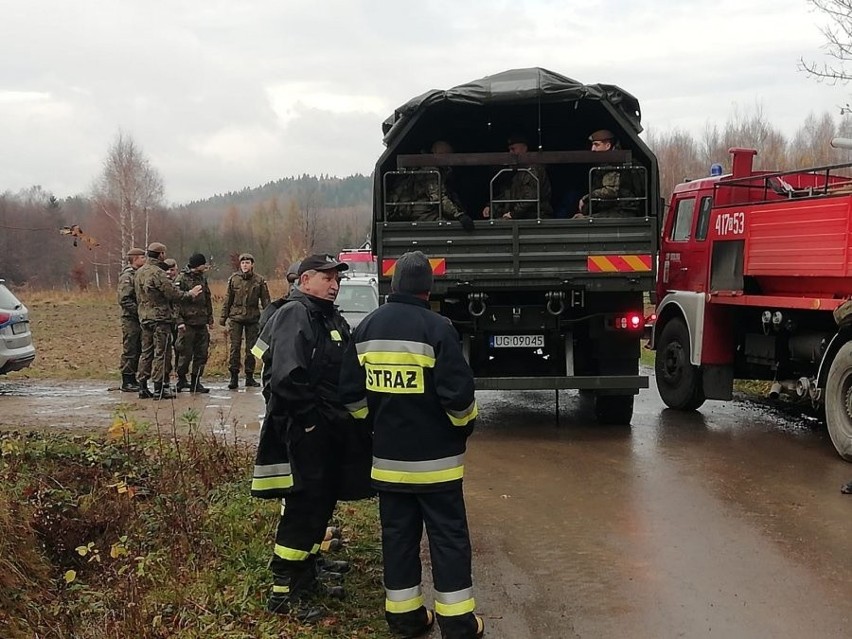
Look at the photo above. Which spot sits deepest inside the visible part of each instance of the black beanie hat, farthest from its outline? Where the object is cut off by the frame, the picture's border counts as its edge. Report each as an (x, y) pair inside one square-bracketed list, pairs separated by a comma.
[(412, 274), (196, 260)]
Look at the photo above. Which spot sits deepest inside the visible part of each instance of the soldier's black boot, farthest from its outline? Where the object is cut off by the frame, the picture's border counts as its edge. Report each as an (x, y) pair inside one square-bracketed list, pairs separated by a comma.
[(144, 393), (161, 391), (235, 380), (251, 381), (128, 383), (182, 385), (195, 385)]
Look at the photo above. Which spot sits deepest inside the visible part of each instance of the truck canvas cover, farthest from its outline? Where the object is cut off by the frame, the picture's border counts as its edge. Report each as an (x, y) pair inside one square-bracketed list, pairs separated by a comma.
[(533, 85)]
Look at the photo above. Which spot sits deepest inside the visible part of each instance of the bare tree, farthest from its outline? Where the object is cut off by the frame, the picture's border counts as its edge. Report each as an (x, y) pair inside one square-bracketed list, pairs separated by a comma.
[(838, 36), (128, 189)]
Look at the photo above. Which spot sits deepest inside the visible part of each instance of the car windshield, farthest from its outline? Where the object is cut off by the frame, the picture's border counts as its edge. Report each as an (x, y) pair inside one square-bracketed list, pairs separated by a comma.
[(7, 300), (357, 298)]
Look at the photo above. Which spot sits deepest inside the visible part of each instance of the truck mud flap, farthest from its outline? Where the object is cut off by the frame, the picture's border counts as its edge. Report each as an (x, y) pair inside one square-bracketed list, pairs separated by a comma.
[(627, 383)]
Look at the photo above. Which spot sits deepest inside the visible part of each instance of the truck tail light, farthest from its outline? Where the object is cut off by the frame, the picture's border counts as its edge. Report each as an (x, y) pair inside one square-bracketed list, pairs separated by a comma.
[(5, 317), (629, 322)]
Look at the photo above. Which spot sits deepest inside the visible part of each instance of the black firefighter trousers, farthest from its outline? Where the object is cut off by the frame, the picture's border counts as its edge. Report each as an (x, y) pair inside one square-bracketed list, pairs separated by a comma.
[(403, 515), (315, 456)]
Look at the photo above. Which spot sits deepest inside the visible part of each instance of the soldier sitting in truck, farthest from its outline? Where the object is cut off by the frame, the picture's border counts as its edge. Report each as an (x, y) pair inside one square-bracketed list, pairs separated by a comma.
[(613, 193), (421, 196), (526, 193)]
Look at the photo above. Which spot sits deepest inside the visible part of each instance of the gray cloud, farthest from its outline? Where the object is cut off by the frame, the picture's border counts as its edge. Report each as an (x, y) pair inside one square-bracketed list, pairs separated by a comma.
[(223, 95)]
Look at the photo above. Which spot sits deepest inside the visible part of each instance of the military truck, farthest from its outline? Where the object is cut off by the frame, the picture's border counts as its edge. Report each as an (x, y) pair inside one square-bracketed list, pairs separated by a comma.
[(542, 302)]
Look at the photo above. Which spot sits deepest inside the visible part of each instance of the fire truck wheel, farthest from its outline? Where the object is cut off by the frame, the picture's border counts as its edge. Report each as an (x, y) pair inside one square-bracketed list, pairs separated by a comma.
[(678, 381), (614, 410), (838, 401)]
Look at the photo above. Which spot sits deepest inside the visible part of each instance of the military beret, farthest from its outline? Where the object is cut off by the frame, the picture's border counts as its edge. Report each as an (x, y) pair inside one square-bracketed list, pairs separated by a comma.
[(246, 256), (156, 247), (135, 251), (171, 263), (601, 135)]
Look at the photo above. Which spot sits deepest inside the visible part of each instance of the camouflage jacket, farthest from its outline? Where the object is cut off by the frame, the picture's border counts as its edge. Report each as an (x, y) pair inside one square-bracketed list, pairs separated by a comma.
[(415, 197), (156, 293), (609, 190), (196, 311), (521, 185), (127, 294), (247, 295)]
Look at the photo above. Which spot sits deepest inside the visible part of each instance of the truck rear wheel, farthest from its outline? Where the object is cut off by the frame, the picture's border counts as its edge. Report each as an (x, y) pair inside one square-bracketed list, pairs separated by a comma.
[(678, 381), (838, 401), (614, 410)]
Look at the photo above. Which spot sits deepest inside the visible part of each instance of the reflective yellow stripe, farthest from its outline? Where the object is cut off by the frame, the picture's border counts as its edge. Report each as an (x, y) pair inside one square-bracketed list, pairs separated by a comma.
[(271, 483), (290, 554), (400, 607), (455, 609), (335, 336), (391, 357), (283, 590), (315, 549), (257, 351), (408, 477), (359, 409), (463, 418)]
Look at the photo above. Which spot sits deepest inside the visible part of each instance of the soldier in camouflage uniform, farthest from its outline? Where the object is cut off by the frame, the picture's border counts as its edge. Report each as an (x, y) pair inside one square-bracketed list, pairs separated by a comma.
[(521, 185), (416, 197), (156, 294), (193, 341), (171, 360), (131, 332), (609, 186), (247, 295)]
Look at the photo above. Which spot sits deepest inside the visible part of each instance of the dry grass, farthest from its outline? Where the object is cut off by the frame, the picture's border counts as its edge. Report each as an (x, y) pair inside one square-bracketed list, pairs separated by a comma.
[(77, 335)]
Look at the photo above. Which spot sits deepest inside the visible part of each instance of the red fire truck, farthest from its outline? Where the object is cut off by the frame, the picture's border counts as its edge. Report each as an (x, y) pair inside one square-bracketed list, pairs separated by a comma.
[(754, 266)]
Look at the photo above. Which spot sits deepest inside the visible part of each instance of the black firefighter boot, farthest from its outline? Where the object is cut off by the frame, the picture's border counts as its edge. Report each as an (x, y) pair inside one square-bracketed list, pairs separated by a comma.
[(235, 380), (144, 392), (161, 391), (250, 380), (128, 383), (182, 385), (195, 385)]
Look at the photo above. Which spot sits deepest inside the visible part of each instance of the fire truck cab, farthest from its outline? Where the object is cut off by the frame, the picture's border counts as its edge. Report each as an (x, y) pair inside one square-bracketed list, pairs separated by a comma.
[(754, 282)]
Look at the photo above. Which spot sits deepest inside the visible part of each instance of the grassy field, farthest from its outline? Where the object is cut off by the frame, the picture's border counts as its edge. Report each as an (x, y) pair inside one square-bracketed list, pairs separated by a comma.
[(135, 532), (77, 335)]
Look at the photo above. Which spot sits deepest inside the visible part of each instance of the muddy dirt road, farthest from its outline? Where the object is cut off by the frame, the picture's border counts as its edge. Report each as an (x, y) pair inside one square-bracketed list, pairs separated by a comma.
[(725, 523)]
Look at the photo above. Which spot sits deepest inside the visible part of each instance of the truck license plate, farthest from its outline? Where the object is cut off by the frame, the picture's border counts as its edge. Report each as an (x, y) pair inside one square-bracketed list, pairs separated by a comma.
[(517, 341), (20, 327)]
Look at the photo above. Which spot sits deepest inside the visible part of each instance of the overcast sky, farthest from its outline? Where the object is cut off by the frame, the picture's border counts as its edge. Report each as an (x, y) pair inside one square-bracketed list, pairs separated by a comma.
[(222, 95)]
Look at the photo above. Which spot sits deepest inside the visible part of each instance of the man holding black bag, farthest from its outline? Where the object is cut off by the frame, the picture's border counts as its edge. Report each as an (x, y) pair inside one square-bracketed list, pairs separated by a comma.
[(310, 450)]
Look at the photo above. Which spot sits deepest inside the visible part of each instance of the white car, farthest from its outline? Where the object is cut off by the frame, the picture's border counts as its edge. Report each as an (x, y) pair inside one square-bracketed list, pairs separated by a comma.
[(16, 341), (357, 297)]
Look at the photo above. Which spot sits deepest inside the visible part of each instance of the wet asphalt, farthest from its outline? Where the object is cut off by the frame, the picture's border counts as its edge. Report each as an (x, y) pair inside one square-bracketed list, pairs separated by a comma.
[(727, 522)]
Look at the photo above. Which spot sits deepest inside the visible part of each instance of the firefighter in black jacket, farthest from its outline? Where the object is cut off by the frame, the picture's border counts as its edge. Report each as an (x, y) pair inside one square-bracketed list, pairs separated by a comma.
[(306, 451), (405, 374)]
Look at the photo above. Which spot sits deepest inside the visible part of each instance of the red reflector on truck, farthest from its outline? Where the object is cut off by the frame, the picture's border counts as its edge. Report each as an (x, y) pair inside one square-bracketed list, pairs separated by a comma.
[(618, 263), (439, 266)]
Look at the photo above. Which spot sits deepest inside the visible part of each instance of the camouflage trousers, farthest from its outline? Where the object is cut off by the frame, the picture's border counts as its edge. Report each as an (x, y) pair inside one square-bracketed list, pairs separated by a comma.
[(235, 333), (131, 345), (193, 345), (155, 363)]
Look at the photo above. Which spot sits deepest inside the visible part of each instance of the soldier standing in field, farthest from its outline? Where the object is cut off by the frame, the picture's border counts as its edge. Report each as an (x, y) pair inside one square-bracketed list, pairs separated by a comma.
[(193, 340), (247, 296), (156, 293), (131, 332)]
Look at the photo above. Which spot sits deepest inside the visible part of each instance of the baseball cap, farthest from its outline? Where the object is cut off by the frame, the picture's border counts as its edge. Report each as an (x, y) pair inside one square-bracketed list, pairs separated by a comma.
[(321, 262)]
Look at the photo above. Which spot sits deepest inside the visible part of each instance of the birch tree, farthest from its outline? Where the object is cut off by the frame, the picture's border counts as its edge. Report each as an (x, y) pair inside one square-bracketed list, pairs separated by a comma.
[(127, 190)]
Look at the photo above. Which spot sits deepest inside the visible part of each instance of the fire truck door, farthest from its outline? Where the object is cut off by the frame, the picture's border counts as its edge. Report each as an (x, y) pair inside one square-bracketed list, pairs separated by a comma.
[(684, 255)]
